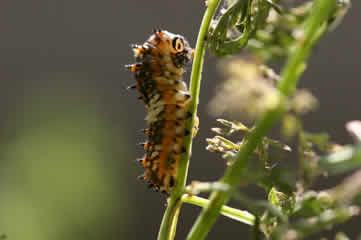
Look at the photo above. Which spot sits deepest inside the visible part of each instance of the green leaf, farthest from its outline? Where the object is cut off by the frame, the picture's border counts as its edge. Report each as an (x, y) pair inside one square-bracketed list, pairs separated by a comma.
[(227, 143), (219, 42), (233, 126), (284, 202)]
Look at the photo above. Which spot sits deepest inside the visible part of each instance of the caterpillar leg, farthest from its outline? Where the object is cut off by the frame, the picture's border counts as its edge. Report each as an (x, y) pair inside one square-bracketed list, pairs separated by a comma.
[(196, 126)]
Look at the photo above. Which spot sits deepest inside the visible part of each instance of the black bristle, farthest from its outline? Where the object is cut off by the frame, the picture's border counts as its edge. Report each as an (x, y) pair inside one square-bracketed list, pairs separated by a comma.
[(144, 130), (134, 45), (155, 30), (139, 160), (131, 87), (128, 66)]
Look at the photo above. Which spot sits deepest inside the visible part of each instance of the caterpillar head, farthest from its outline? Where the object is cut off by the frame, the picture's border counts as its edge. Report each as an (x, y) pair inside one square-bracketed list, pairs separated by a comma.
[(176, 45)]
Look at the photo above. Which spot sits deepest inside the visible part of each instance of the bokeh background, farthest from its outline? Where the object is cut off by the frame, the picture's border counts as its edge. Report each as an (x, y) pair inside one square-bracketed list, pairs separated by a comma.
[(68, 127)]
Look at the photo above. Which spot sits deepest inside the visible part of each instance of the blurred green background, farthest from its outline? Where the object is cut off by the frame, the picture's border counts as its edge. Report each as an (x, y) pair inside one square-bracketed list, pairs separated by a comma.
[(58, 177), (68, 127)]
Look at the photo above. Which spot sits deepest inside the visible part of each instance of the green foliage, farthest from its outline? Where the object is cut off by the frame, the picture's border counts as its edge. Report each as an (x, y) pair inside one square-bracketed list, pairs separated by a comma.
[(270, 30), (238, 23), (264, 27)]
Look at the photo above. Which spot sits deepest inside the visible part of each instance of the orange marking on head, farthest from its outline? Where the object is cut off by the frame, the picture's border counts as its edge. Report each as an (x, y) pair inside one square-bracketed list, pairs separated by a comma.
[(163, 46)]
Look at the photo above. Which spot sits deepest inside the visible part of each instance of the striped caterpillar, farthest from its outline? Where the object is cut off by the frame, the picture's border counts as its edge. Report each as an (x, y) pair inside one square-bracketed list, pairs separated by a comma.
[(160, 64)]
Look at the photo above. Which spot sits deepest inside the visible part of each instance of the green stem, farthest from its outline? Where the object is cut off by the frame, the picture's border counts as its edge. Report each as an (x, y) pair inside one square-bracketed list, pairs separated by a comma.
[(238, 215), (173, 226), (170, 217), (169, 220), (290, 75)]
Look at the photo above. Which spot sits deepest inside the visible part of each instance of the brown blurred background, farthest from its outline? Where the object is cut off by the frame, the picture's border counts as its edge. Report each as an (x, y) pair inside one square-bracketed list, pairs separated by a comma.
[(68, 127)]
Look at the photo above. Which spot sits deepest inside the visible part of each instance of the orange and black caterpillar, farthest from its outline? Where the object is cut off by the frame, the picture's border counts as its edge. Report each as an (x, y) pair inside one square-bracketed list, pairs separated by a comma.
[(160, 64)]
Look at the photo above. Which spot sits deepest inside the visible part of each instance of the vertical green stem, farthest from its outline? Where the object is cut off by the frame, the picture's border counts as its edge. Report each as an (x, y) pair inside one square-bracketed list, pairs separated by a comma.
[(289, 78), (169, 222)]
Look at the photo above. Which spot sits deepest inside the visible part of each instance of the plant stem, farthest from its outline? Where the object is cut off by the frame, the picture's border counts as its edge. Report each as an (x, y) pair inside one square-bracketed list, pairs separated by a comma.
[(170, 217), (169, 220), (235, 214), (290, 75)]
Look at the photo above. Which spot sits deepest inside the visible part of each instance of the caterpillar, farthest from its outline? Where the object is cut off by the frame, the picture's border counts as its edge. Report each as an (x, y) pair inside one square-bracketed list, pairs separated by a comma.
[(160, 64)]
